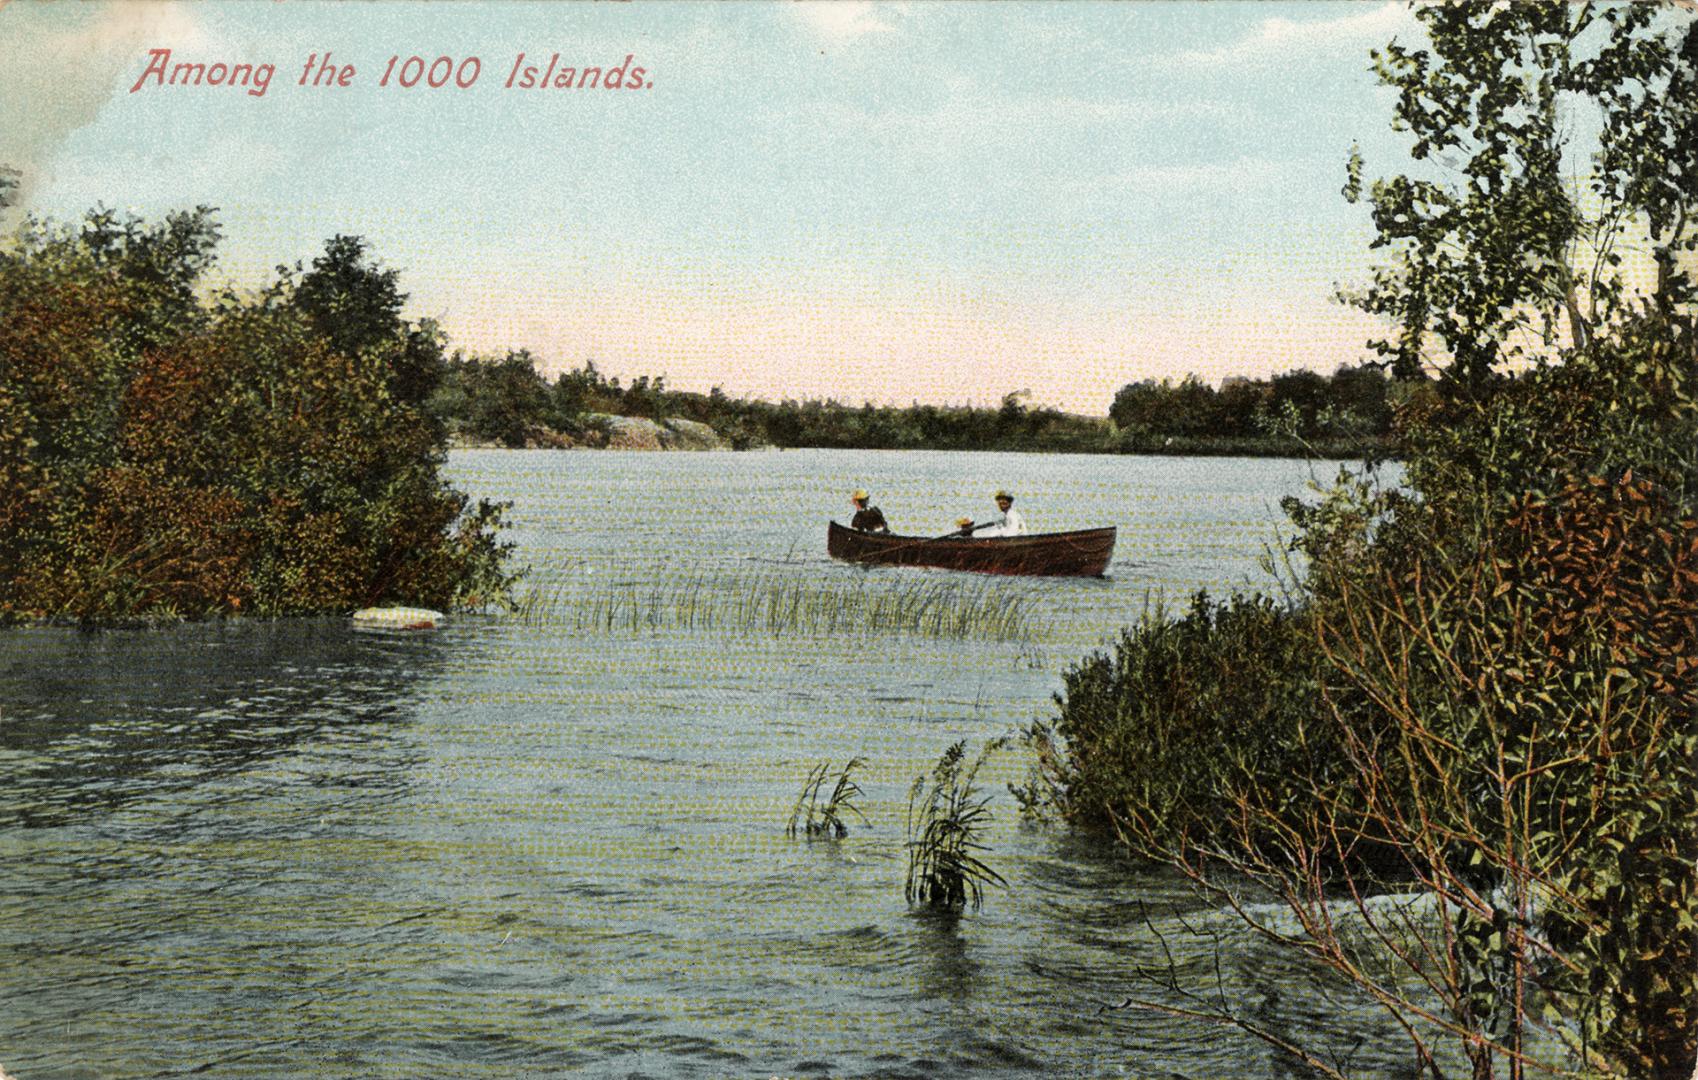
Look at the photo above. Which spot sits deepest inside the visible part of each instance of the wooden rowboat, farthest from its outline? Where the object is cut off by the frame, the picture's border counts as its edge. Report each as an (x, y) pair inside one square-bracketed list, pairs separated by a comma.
[(1084, 553)]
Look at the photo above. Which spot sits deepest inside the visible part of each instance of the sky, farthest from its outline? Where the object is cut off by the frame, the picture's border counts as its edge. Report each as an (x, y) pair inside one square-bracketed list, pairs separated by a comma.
[(890, 202)]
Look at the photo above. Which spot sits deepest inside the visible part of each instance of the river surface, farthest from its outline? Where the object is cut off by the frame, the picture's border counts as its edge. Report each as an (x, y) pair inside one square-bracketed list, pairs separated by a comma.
[(555, 847)]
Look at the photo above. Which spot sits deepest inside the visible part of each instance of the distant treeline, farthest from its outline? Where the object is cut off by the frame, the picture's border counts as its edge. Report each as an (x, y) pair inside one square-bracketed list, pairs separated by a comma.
[(508, 401), (1351, 407)]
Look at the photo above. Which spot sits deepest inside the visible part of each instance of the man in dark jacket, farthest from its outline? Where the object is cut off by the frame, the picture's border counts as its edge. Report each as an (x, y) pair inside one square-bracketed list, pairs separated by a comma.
[(867, 518)]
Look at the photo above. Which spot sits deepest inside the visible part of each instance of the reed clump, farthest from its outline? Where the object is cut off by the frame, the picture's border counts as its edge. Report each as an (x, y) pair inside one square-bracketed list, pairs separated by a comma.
[(946, 821), (780, 604), (817, 820)]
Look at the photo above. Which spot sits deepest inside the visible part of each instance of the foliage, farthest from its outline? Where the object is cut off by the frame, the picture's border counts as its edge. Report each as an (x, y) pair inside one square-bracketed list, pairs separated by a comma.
[(825, 821), (1180, 715), (356, 305), (507, 400), (1482, 699), (1495, 249), (1521, 739), (1345, 415), (170, 456), (1480, 804), (1607, 578), (945, 823)]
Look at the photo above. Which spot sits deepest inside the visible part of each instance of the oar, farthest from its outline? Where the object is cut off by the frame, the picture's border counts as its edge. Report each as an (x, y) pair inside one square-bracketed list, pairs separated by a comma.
[(968, 529)]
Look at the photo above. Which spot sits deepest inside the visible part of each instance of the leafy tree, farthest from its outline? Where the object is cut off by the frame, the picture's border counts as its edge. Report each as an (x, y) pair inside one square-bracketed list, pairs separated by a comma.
[(1012, 414), (1647, 163), (1304, 394), (1485, 684), (1350, 409), (416, 362), (349, 298), (356, 304), (1135, 404), (1237, 403), (509, 399), (1187, 408), (576, 393), (1491, 247), (172, 457), (1363, 393), (646, 398)]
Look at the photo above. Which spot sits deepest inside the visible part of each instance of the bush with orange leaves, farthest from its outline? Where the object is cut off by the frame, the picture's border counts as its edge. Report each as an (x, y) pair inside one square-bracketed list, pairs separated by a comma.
[(164, 455), (1463, 757)]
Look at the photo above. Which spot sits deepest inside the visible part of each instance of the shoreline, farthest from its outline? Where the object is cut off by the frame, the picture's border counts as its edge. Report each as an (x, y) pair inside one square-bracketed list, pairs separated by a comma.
[(1378, 449)]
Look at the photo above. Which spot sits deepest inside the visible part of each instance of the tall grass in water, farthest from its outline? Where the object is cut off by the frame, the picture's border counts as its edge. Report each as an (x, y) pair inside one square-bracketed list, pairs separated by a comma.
[(780, 604), (825, 820), (945, 822)]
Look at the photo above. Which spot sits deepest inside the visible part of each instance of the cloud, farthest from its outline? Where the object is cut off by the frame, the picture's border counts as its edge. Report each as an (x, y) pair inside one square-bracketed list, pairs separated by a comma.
[(842, 21), (66, 62), (1278, 38)]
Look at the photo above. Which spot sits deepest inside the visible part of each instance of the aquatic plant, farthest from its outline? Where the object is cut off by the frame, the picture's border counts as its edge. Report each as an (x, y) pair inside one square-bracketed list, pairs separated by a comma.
[(825, 820), (532, 601), (785, 604), (945, 823)]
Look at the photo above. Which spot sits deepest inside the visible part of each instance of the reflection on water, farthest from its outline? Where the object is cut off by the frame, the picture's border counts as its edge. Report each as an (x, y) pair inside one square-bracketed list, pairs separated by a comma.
[(93, 720), (266, 849)]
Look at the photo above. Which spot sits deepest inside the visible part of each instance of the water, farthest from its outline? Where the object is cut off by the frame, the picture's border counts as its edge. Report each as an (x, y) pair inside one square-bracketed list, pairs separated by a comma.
[(294, 849)]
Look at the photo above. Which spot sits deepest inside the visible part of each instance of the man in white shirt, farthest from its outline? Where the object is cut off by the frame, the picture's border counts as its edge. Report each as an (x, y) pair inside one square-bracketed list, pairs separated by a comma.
[(1007, 521)]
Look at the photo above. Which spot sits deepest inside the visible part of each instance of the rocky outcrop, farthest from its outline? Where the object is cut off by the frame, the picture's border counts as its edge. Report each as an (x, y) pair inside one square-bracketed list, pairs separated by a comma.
[(606, 431), (690, 435), (637, 433), (548, 439), (397, 618), (537, 438), (629, 432)]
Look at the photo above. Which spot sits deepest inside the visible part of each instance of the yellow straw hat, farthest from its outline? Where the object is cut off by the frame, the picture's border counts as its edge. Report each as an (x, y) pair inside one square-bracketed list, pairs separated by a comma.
[(1001, 494), (962, 523), (860, 495)]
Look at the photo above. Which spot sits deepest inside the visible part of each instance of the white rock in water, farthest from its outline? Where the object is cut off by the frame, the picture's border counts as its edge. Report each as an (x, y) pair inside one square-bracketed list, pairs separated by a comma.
[(398, 618)]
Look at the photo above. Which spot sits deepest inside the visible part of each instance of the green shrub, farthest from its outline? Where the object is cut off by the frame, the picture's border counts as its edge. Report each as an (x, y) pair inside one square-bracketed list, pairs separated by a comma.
[(1483, 696), (170, 457), (1185, 718)]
